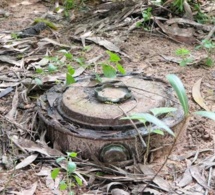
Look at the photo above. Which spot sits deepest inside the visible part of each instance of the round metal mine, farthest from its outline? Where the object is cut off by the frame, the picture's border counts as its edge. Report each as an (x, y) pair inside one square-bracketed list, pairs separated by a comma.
[(86, 117)]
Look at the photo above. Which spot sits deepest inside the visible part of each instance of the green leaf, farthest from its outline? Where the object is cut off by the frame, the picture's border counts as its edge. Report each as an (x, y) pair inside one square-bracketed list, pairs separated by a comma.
[(78, 180), (120, 69), (210, 115), (108, 71), (113, 57), (209, 62), (58, 160), (70, 70), (72, 154), (162, 110), (100, 174), (39, 70), (152, 119), (180, 91), (38, 81), (55, 173), (98, 78), (158, 131), (69, 79), (81, 61), (63, 185), (87, 48), (146, 14), (68, 56), (182, 52), (52, 68), (185, 61), (208, 44), (71, 167)]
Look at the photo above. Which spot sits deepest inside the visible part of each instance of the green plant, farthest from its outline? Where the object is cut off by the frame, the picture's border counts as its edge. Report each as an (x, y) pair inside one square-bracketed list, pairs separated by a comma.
[(183, 99), (68, 5), (146, 17), (209, 47), (55, 64), (111, 66), (14, 36), (153, 119), (179, 5), (69, 75), (200, 16), (146, 14), (184, 55), (72, 177), (182, 96)]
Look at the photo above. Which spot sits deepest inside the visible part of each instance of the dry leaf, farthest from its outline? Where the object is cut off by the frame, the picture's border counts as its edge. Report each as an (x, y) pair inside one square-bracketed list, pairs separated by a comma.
[(190, 22), (9, 60), (152, 191), (113, 184), (5, 91), (194, 170), (30, 191), (197, 95), (186, 178), (53, 42), (27, 161), (117, 191), (34, 147), (177, 33), (45, 171), (188, 11), (12, 112), (147, 171)]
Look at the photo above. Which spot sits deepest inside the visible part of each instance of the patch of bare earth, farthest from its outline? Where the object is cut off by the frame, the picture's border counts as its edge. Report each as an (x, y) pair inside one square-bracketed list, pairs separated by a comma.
[(146, 52)]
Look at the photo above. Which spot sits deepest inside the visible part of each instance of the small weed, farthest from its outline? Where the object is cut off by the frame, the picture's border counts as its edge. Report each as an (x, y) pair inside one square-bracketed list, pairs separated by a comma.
[(38, 82), (69, 75), (153, 119), (184, 55), (14, 36), (146, 14), (68, 5), (54, 64), (112, 65), (209, 47), (72, 179), (179, 89), (202, 17)]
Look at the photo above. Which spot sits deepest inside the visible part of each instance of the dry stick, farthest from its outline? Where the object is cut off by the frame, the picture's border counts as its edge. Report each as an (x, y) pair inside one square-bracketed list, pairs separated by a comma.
[(210, 33), (184, 127), (13, 122), (210, 170), (138, 131)]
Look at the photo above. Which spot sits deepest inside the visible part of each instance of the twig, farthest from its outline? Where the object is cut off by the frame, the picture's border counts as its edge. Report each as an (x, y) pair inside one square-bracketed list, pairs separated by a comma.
[(210, 172), (138, 131), (13, 122), (184, 127), (210, 34)]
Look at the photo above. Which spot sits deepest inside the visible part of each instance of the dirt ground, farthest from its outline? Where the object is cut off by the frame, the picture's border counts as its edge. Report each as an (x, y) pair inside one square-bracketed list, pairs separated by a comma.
[(149, 52)]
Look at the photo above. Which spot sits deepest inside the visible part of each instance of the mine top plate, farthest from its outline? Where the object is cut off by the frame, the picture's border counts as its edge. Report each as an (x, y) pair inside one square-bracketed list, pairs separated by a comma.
[(102, 105)]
